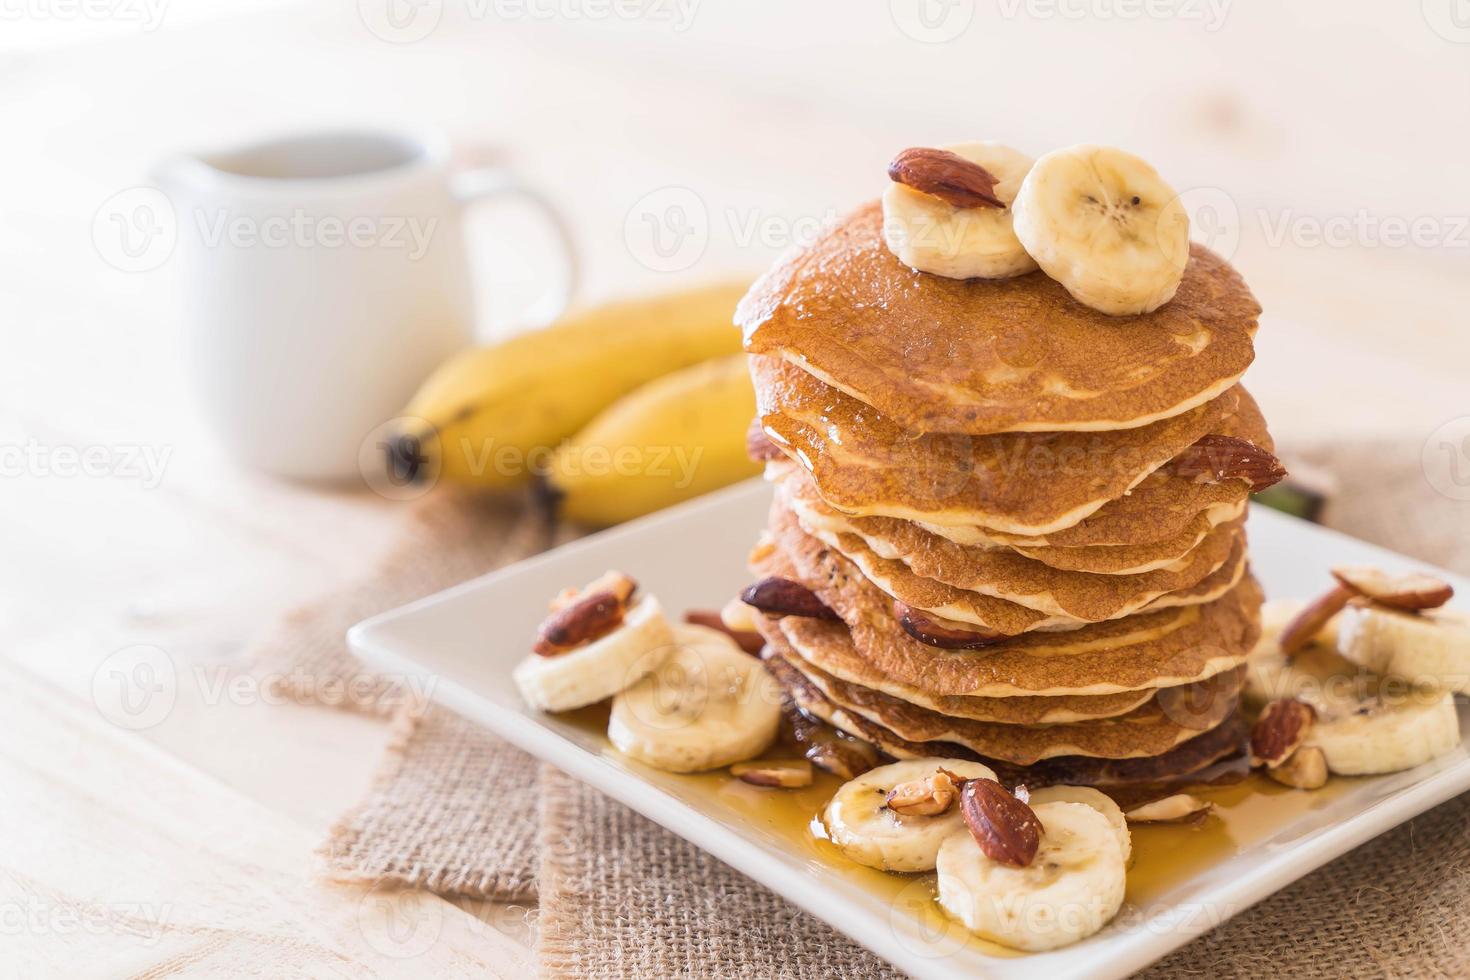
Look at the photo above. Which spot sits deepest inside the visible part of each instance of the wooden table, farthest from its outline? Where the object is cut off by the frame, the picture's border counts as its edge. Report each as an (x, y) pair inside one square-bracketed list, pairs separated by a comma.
[(775, 120)]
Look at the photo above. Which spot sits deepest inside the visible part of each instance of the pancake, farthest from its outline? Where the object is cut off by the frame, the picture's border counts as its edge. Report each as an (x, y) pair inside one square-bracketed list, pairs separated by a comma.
[(964, 608), (1161, 506), (1166, 648), (1147, 730), (1028, 483), (986, 356), (1003, 573), (829, 644), (1194, 756)]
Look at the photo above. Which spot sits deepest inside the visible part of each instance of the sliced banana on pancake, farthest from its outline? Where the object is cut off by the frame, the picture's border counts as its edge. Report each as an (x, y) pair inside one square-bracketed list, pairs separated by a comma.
[(597, 670), (706, 705), (1098, 800), (932, 235), (1364, 723), (1069, 891), (867, 830), (1430, 648), (1104, 224)]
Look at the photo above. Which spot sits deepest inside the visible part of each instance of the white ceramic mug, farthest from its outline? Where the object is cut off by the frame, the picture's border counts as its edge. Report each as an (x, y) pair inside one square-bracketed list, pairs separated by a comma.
[(323, 277)]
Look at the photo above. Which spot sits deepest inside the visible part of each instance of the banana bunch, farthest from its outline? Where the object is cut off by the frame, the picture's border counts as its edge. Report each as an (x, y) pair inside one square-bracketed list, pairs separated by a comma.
[(672, 439), (650, 396)]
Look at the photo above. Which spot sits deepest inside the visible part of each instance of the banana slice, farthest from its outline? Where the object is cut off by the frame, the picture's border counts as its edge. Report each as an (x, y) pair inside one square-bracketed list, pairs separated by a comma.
[(860, 823), (1105, 225), (1430, 648), (1099, 801), (960, 243), (602, 668), (1366, 724), (1069, 891), (705, 705)]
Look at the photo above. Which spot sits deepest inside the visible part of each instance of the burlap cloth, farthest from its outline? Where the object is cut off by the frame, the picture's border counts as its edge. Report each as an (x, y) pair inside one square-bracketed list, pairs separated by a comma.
[(621, 897)]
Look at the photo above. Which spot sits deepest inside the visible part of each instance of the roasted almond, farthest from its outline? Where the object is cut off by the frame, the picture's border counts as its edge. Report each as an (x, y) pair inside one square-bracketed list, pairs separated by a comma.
[(1216, 458), (945, 175), (1280, 731), (1413, 590), (758, 445), (748, 640), (581, 621), (1305, 625), (927, 797), (779, 773), (1305, 769), (926, 629), (783, 597), (1005, 828), (846, 758)]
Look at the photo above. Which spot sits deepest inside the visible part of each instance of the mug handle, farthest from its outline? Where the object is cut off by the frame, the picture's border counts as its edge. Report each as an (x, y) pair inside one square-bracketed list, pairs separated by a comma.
[(474, 186)]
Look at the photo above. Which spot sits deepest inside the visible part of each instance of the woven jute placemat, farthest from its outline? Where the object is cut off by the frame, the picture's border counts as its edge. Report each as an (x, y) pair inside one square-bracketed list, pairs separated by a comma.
[(425, 822), (620, 896)]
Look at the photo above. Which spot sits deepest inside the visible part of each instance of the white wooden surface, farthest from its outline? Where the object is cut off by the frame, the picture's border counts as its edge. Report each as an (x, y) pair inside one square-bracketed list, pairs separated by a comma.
[(773, 116)]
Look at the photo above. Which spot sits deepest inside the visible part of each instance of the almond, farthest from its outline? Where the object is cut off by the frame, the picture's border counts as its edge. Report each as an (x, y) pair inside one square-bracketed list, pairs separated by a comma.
[(758, 445), (748, 640), (778, 773), (1413, 590), (1280, 731), (783, 597), (586, 619), (1005, 828), (1216, 458), (619, 584), (1305, 769), (924, 628), (1179, 808), (846, 758), (1305, 625), (945, 175), (927, 797)]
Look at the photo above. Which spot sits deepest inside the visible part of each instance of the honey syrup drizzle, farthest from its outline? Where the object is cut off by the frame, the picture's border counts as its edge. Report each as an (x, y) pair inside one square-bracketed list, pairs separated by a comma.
[(1164, 855)]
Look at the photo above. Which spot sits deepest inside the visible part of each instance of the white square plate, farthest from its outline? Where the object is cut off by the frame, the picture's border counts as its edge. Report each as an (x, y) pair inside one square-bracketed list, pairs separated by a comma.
[(462, 643)]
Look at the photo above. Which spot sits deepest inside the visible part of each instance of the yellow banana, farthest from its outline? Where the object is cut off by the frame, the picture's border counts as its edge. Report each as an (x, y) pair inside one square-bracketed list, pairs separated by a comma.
[(672, 439), (490, 416)]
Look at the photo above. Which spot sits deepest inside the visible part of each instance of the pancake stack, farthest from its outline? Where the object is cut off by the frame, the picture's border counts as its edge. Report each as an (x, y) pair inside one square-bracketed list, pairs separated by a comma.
[(1006, 526)]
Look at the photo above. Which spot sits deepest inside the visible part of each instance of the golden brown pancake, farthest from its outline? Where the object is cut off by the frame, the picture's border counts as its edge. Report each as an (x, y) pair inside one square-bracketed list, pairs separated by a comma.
[(1003, 573), (1077, 599), (1166, 648), (977, 356), (1029, 483), (1163, 505), (829, 644), (1194, 756), (1147, 730)]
